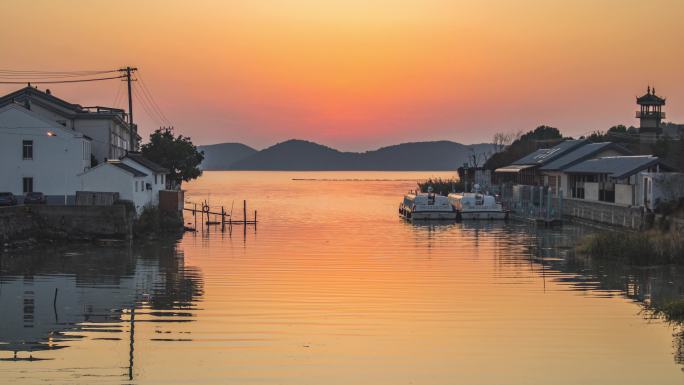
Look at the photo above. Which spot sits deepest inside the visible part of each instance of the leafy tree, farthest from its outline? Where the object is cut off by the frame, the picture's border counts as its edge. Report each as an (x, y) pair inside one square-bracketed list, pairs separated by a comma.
[(177, 153)]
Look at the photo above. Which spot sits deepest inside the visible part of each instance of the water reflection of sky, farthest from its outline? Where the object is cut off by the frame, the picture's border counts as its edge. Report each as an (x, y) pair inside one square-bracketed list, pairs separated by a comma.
[(334, 288)]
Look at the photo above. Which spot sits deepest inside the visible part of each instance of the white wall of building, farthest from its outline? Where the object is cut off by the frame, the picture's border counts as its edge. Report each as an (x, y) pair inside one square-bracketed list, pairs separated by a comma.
[(624, 194), (106, 177), (110, 140), (661, 187), (56, 161), (591, 191), (156, 181)]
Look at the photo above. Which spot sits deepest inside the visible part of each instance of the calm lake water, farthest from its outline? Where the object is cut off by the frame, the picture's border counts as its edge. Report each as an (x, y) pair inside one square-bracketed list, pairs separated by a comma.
[(334, 288)]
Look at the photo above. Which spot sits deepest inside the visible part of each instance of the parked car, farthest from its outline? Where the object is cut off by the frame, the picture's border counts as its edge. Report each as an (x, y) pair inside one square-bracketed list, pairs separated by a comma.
[(7, 199), (35, 198)]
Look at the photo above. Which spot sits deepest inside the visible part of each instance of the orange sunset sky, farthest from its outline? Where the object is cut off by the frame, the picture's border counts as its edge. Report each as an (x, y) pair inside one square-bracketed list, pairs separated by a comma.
[(356, 74)]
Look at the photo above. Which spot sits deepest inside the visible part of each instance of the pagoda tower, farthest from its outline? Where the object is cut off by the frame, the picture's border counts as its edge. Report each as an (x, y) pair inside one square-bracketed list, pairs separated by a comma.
[(650, 116)]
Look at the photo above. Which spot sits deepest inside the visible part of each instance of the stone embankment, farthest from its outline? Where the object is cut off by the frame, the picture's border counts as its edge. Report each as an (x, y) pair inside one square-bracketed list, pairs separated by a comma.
[(42, 222)]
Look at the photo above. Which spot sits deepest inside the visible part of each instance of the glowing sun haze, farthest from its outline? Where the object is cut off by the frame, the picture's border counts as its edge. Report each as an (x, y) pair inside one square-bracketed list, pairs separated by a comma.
[(359, 74)]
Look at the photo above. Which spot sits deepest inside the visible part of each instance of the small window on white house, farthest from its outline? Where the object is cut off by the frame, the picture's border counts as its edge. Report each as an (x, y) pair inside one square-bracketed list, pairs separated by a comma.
[(155, 178), (27, 149), (135, 184)]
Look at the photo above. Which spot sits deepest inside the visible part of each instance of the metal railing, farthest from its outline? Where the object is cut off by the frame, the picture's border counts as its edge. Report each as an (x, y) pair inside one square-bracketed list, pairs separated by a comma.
[(650, 114)]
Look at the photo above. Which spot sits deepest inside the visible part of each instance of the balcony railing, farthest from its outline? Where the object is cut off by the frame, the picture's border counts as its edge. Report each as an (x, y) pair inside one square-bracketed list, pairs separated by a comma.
[(652, 114)]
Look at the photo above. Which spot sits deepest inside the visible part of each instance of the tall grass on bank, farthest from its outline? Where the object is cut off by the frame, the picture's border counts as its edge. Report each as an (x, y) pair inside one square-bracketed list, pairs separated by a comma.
[(441, 186), (643, 248), (672, 310)]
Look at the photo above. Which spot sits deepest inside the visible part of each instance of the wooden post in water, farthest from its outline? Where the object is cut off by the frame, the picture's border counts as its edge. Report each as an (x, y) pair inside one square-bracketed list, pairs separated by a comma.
[(244, 212), (223, 219), (255, 220)]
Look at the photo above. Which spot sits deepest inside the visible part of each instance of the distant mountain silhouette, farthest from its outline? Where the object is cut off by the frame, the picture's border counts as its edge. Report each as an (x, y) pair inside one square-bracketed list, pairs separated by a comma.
[(221, 156), (304, 155)]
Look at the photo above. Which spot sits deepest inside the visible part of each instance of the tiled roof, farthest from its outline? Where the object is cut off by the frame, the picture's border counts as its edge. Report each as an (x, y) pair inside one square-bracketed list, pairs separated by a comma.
[(651, 99), (545, 155), (614, 166), (579, 154), (140, 159), (514, 168), (125, 167)]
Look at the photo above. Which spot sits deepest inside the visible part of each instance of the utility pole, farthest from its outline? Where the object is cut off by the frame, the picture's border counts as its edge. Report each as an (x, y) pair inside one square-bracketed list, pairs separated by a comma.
[(127, 72)]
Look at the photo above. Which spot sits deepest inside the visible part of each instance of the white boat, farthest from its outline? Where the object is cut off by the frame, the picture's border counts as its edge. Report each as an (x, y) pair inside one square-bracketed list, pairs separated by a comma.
[(426, 206), (477, 205)]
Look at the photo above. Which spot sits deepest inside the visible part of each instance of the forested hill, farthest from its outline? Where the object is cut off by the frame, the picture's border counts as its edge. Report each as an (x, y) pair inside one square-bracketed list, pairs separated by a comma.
[(305, 155)]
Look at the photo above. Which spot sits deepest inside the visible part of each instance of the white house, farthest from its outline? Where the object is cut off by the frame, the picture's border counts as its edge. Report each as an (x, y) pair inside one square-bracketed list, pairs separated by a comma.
[(116, 176), (112, 135), (156, 174), (38, 154)]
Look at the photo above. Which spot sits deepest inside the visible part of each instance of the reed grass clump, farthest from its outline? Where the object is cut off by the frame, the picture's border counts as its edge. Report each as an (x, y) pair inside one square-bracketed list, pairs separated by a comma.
[(642, 248), (441, 186), (670, 310)]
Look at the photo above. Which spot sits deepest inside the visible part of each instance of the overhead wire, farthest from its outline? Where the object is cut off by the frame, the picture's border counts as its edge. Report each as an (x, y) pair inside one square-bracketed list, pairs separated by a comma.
[(151, 99), (118, 95), (54, 73), (146, 107), (62, 81)]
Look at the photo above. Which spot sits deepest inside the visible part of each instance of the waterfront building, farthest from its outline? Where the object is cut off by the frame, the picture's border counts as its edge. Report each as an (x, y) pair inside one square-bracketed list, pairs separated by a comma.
[(662, 187), (38, 154), (112, 135), (557, 180), (120, 177), (156, 175), (526, 170), (613, 179)]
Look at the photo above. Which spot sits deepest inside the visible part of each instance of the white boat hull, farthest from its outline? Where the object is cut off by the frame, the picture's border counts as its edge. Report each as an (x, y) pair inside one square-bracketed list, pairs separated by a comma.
[(483, 215), (430, 215)]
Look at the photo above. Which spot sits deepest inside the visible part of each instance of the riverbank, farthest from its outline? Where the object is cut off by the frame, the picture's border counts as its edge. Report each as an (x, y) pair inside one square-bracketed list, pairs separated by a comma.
[(23, 226)]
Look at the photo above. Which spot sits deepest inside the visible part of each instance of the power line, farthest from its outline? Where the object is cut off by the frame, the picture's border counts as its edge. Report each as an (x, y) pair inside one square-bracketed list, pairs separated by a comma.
[(144, 98), (147, 91), (118, 95), (146, 107), (39, 72), (62, 81)]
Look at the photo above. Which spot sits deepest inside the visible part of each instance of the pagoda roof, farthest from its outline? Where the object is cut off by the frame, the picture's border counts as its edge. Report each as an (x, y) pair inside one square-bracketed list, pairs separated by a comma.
[(650, 98)]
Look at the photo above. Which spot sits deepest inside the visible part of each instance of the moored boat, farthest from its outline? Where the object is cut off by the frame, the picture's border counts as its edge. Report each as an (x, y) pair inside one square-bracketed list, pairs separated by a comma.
[(426, 206), (477, 205)]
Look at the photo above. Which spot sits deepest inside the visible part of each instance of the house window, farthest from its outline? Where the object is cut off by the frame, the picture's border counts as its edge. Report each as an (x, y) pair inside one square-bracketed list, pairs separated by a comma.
[(27, 149), (155, 178), (27, 185), (135, 183)]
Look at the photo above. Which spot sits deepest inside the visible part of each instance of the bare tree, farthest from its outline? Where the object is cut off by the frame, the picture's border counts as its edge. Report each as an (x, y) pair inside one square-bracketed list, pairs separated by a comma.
[(503, 139), (477, 158)]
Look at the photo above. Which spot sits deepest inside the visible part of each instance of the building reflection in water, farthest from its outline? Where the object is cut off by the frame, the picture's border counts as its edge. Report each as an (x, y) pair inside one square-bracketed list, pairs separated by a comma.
[(49, 297)]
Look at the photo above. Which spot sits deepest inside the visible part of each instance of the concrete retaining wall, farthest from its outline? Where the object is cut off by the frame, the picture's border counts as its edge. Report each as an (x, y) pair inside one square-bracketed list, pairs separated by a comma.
[(605, 213), (65, 222)]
